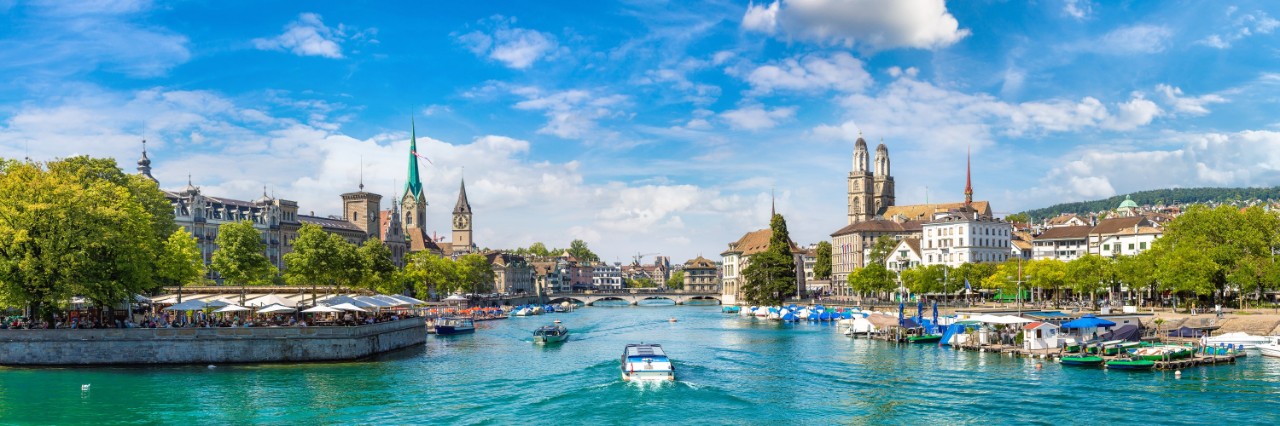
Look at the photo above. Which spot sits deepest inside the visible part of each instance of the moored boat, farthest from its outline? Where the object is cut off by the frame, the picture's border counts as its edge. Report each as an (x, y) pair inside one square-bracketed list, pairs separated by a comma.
[(925, 338), (1131, 364), (449, 326), (1238, 339), (1160, 353), (646, 362), (1082, 361), (550, 334), (731, 309), (1271, 348)]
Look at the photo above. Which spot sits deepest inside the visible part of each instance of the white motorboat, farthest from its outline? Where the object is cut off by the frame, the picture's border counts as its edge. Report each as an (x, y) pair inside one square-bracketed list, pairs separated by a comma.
[(1271, 348), (646, 362), (1238, 339)]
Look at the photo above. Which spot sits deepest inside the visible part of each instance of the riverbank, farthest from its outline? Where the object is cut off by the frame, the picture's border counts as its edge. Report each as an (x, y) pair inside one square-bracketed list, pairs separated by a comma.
[(207, 345)]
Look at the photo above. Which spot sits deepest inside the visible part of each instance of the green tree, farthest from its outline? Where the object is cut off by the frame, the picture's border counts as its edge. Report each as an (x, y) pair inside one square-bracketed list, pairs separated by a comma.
[(578, 249), (1004, 277), (923, 279), (676, 282), (180, 262), (822, 266), (1088, 274), (882, 248), (379, 271), (1138, 272), (641, 282), (431, 274), (349, 272), (241, 255), (1018, 218), (538, 249), (476, 273), (770, 277), (1225, 235), (1185, 269), (1254, 275), (1047, 273), (313, 259), (873, 278)]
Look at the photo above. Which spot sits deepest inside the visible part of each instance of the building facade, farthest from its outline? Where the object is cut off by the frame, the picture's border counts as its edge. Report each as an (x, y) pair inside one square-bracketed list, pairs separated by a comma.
[(512, 274), (606, 277), (960, 237), (700, 276), (870, 191), (738, 257)]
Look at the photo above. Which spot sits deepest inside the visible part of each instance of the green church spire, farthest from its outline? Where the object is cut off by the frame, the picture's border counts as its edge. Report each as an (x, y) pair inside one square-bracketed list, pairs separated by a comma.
[(414, 185)]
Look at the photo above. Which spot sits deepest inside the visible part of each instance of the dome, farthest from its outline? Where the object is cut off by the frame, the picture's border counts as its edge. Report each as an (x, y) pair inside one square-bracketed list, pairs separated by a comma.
[(1128, 203), (882, 148), (144, 161), (861, 143)]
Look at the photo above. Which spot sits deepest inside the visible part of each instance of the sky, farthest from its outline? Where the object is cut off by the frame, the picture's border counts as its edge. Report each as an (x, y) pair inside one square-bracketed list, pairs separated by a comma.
[(650, 127)]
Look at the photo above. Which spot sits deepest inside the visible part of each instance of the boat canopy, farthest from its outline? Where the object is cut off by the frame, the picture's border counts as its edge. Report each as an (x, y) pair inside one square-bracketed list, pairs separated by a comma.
[(1185, 331), (1087, 321)]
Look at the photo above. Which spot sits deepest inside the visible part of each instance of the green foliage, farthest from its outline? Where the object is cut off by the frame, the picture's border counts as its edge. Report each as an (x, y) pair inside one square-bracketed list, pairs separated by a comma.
[(1138, 272), (241, 255), (378, 272), (475, 273), (923, 279), (1046, 273), (1088, 274), (578, 249), (429, 273), (539, 249), (180, 262), (78, 226), (882, 248), (976, 273), (770, 277), (822, 266), (1161, 197), (641, 282), (1222, 242), (871, 279), (676, 281), (1018, 218)]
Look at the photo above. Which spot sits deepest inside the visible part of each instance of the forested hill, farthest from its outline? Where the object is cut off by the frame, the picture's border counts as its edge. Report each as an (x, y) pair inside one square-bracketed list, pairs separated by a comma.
[(1163, 197)]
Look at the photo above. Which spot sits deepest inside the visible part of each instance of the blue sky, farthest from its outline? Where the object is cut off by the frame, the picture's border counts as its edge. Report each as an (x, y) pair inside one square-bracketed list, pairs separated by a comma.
[(654, 127)]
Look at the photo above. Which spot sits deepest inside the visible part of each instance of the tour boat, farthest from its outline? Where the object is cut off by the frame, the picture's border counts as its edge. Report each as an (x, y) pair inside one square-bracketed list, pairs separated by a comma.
[(646, 362), (1082, 361), (451, 326), (550, 334), (1238, 339)]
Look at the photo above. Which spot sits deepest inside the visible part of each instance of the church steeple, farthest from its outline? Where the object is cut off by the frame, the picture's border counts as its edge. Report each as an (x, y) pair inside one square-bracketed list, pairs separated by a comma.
[(413, 186), (463, 205), (968, 183), (144, 163)]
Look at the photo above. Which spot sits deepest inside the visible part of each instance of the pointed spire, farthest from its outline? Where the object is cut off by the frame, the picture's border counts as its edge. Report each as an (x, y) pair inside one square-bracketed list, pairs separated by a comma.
[(144, 163), (968, 182), (463, 205), (362, 173), (413, 186), (773, 205)]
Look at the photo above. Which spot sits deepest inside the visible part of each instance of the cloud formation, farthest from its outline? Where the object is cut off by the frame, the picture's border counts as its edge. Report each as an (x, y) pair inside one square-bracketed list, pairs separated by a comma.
[(867, 24), (756, 117), (516, 48), (838, 71), (307, 36)]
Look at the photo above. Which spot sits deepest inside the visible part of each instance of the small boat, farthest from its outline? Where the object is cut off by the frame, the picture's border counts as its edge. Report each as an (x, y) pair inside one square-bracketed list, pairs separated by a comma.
[(924, 338), (1131, 364), (731, 309), (550, 334), (1082, 361), (646, 362), (450, 326), (1271, 349), (1160, 353), (1238, 339)]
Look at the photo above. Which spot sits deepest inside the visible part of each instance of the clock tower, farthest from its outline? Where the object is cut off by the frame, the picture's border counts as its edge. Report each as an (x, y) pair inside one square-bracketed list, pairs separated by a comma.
[(462, 242)]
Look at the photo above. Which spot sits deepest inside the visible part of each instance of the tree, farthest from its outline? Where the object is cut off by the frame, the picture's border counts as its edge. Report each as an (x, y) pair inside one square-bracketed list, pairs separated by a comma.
[(1047, 273), (241, 255), (771, 274), (348, 269), (1018, 218), (1224, 235), (881, 250), (873, 278), (1255, 274), (676, 281), (1187, 269), (313, 259), (538, 249), (578, 249), (923, 279), (1088, 274), (431, 274), (378, 272), (641, 282), (822, 266), (1138, 272), (77, 226), (180, 262), (476, 273)]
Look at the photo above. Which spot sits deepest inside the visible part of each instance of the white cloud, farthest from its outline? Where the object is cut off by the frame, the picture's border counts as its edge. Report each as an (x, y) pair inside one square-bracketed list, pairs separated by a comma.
[(1247, 158), (1188, 105), (1078, 9), (675, 77), (1134, 39), (869, 24), (1246, 25), (756, 117), (69, 38), (572, 114), (839, 71), (516, 48), (307, 36)]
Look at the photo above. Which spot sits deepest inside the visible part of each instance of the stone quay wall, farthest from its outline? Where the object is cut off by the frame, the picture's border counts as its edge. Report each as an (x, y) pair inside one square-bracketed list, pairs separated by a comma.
[(207, 345)]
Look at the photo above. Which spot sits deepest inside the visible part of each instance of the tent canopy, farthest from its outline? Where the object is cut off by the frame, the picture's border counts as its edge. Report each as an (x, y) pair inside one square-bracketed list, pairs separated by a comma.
[(1087, 321), (321, 309), (455, 298), (348, 307), (268, 300), (276, 309), (232, 308)]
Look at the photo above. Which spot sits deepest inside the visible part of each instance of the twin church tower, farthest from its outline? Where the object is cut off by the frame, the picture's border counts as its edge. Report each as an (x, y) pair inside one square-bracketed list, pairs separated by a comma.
[(870, 193)]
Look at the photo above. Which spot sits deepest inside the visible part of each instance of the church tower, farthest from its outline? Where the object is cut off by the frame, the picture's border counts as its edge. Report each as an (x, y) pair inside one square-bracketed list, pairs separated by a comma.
[(144, 164), (361, 208), (413, 202), (883, 180), (861, 203), (462, 241)]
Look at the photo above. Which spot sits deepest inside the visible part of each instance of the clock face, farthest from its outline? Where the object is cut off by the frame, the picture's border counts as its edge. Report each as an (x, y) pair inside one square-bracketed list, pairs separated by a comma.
[(460, 222)]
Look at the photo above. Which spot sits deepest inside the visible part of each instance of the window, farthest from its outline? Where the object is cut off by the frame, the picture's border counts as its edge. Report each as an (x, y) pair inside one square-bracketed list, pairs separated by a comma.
[(1130, 246), (1106, 246), (1142, 245)]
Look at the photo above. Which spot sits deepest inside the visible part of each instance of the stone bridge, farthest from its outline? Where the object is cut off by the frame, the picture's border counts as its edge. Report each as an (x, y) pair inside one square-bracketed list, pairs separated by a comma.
[(634, 298)]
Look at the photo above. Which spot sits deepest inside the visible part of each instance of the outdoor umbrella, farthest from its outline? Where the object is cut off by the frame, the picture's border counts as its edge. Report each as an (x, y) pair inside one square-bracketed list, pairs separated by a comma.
[(919, 308), (231, 308), (276, 308), (348, 307), (901, 307), (268, 300), (321, 309), (935, 314)]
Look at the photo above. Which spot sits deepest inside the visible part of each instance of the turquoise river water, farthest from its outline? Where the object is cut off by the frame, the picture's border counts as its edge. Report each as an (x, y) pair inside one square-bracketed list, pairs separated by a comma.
[(731, 370)]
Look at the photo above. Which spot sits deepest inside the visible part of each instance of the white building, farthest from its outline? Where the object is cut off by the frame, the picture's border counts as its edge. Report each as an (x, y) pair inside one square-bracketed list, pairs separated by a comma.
[(1125, 236), (905, 255), (961, 236), (1064, 243), (738, 256), (607, 277)]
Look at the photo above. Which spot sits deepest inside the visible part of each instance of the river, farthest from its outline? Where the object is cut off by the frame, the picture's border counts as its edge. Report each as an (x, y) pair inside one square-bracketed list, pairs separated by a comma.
[(731, 370)]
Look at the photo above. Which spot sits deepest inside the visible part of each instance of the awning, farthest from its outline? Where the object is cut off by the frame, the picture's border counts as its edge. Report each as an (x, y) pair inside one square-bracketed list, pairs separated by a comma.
[(276, 309), (1088, 321)]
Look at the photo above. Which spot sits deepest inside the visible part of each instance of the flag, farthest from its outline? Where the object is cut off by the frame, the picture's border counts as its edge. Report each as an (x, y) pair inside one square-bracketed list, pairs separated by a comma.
[(416, 154), (966, 284)]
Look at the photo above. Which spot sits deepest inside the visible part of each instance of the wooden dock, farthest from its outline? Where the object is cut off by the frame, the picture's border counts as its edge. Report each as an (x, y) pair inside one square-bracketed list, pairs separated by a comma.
[(1054, 354)]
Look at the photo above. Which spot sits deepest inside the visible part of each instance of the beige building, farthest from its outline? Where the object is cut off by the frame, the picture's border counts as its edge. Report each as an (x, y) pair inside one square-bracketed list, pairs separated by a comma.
[(512, 274), (700, 276), (851, 246), (738, 257)]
